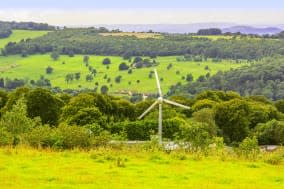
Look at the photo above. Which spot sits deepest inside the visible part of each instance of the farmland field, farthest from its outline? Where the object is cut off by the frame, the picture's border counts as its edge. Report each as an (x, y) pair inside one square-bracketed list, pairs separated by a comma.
[(138, 35), (33, 67), (18, 35), (29, 168)]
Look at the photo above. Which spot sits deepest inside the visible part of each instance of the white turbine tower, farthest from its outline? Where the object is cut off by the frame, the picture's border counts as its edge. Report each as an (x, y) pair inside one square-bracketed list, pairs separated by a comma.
[(160, 102)]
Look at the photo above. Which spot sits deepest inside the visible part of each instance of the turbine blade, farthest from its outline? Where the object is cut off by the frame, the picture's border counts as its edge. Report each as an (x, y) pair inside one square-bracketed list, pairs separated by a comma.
[(148, 110), (176, 104), (158, 83)]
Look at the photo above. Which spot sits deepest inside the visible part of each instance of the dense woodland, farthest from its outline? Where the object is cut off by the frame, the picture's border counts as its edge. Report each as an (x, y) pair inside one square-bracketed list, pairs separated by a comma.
[(41, 118), (89, 41), (265, 78)]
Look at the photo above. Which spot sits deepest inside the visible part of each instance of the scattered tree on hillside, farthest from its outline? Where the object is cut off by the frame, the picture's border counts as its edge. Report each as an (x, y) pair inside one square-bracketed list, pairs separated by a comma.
[(49, 70)]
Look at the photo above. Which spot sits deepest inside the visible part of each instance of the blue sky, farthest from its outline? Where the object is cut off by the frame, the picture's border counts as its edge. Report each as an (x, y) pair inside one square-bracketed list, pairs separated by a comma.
[(99, 4)]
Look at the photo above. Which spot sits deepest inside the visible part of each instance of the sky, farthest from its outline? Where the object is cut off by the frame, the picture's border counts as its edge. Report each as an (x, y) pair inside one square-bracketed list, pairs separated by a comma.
[(91, 12)]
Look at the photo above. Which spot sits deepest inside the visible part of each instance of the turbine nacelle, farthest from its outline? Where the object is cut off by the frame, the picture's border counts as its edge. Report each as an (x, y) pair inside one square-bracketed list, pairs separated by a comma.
[(160, 102)]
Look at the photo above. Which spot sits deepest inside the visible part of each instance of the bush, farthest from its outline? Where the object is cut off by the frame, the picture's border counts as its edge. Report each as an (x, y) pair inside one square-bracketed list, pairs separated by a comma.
[(68, 137), (40, 137), (271, 133), (248, 148), (6, 138), (197, 135)]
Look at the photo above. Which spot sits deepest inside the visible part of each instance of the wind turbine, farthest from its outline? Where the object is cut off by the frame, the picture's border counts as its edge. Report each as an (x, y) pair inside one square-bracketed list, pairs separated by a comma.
[(160, 102)]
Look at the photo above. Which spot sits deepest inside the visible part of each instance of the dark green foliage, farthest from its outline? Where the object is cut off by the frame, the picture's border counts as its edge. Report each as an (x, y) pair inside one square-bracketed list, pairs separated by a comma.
[(196, 134), (55, 55), (49, 70), (104, 89), (271, 133), (231, 117), (189, 77), (88, 41), (142, 130), (210, 31), (280, 105), (118, 79), (41, 103), (106, 61), (87, 116), (123, 66), (267, 80), (4, 32)]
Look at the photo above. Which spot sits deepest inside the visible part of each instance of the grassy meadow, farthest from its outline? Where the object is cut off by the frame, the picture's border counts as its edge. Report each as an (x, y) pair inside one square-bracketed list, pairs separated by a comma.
[(23, 167), (32, 67), (18, 35)]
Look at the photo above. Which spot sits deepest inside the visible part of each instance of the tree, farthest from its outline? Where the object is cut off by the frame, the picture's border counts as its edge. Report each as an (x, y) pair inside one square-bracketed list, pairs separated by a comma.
[(16, 122), (77, 76), (86, 59), (69, 77), (106, 61), (280, 105), (270, 133), (104, 89), (123, 66), (232, 118), (89, 77), (210, 31), (137, 59), (41, 103), (49, 70), (189, 77), (55, 55), (118, 79)]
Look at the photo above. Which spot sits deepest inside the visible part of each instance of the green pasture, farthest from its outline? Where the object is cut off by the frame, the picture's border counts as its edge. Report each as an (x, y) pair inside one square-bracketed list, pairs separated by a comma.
[(24, 168), (18, 35), (32, 67)]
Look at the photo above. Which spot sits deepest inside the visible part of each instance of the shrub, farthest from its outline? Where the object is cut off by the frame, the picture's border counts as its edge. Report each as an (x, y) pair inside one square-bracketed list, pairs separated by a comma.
[(68, 137), (197, 135), (271, 133), (40, 137), (6, 138), (248, 148)]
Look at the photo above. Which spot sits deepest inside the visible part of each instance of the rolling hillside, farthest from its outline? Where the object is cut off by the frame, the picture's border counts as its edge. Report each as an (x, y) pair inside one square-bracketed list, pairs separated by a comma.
[(33, 67), (18, 35)]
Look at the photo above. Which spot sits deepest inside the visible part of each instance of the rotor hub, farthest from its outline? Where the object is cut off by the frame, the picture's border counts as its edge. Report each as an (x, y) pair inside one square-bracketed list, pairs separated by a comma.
[(160, 100)]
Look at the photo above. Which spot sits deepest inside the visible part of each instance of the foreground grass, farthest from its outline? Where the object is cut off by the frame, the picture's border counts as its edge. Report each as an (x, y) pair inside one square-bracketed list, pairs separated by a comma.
[(33, 67), (18, 35), (105, 168)]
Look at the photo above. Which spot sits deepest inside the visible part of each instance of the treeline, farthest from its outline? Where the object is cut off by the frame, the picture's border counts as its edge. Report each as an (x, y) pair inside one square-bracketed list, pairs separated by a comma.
[(266, 78), (41, 118), (26, 26), (4, 32), (89, 41)]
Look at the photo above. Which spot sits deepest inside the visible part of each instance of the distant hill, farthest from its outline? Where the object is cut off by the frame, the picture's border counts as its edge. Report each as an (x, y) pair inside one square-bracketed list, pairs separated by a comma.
[(252, 30), (193, 28)]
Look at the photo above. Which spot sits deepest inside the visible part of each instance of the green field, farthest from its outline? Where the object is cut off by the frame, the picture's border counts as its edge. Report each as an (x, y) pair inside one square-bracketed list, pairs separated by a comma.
[(33, 67), (23, 168), (18, 35)]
